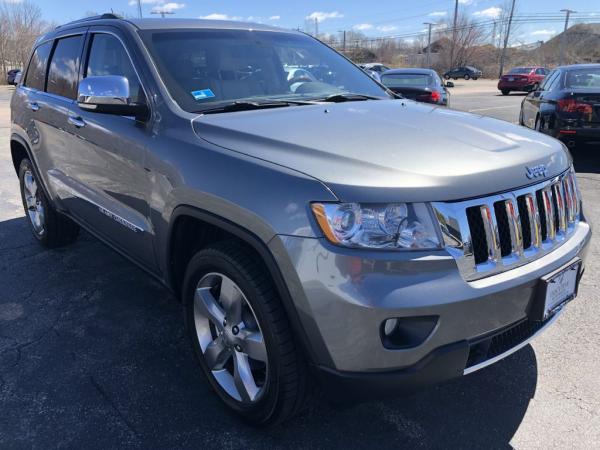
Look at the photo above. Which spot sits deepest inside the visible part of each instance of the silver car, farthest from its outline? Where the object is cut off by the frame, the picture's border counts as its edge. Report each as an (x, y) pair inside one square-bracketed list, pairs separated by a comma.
[(314, 227)]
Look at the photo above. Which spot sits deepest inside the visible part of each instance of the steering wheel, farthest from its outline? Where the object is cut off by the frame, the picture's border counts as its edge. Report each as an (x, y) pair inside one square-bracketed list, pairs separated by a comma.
[(302, 78)]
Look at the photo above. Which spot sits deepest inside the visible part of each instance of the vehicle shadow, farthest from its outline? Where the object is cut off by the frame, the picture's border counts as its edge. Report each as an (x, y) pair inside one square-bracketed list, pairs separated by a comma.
[(586, 158), (93, 355)]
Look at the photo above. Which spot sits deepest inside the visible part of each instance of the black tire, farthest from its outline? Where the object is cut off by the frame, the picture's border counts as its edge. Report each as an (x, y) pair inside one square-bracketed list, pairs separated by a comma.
[(521, 122), (467, 76), (539, 124), (447, 77), (57, 230), (475, 78), (535, 87), (505, 92), (455, 78), (286, 391)]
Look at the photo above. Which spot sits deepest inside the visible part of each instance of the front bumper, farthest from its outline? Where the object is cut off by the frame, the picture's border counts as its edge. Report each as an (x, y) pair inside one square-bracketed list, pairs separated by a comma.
[(343, 296)]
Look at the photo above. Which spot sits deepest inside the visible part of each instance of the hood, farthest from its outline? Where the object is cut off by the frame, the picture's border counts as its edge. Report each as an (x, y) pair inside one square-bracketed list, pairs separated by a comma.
[(389, 150)]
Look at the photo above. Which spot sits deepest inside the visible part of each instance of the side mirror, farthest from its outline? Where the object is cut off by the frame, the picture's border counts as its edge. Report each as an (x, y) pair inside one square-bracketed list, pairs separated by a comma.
[(449, 84), (109, 94), (18, 77)]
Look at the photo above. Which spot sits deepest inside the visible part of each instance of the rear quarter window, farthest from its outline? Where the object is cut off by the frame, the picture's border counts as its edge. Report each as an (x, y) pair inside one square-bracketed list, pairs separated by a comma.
[(64, 67), (36, 72)]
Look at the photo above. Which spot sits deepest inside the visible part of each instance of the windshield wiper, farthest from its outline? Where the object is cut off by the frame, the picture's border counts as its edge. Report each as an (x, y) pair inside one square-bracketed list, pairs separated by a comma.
[(242, 105), (347, 97)]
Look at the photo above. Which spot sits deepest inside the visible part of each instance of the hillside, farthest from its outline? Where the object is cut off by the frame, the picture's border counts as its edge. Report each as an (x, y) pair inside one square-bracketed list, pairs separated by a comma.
[(582, 44)]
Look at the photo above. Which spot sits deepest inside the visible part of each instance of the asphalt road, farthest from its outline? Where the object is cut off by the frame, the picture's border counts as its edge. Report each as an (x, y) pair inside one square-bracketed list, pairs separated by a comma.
[(93, 355)]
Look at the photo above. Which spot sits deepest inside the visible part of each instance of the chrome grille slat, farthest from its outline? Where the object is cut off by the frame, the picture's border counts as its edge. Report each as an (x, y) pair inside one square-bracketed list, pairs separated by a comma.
[(547, 212)]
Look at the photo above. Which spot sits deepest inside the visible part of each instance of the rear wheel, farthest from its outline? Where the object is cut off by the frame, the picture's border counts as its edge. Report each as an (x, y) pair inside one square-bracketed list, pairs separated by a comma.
[(241, 336), (521, 122), (49, 227), (467, 76), (505, 92), (475, 78), (447, 77), (539, 124)]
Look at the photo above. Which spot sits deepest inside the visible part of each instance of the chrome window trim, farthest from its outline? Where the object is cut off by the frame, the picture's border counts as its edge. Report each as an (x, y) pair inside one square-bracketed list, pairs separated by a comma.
[(452, 218)]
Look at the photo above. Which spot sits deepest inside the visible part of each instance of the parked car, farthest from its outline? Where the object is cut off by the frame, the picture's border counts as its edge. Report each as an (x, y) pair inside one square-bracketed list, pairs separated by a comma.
[(422, 85), (324, 231), (375, 67), (522, 79), (11, 76), (567, 105), (466, 72)]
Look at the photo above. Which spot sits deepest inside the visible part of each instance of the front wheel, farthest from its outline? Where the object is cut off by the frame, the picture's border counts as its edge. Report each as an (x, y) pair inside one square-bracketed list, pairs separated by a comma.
[(505, 92), (447, 77), (49, 227), (467, 76), (241, 336)]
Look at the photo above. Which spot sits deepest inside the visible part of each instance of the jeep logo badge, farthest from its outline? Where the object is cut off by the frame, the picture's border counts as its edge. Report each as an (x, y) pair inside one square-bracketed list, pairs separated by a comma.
[(536, 171)]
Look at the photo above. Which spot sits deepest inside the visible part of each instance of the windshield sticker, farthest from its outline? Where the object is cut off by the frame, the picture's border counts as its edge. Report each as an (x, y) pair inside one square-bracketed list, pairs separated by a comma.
[(202, 94)]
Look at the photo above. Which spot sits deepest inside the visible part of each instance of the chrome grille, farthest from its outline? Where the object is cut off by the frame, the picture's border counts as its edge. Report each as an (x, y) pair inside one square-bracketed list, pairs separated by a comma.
[(492, 234)]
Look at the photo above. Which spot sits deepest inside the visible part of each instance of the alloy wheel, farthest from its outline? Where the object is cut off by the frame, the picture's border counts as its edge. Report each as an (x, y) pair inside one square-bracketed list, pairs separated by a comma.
[(230, 338), (33, 201)]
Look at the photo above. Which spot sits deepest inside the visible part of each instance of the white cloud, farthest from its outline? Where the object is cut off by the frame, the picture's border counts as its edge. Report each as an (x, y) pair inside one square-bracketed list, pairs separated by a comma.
[(219, 16), (466, 2), (543, 32), (437, 13), (274, 17), (168, 7), (492, 12), (387, 28), (322, 16), (363, 26)]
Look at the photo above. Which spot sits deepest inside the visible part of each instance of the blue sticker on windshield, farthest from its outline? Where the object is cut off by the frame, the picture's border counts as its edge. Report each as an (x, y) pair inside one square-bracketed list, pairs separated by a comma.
[(202, 94)]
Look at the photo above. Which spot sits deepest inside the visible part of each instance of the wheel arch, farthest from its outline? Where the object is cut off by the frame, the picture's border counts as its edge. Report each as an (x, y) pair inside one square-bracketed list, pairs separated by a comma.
[(183, 216), (19, 150)]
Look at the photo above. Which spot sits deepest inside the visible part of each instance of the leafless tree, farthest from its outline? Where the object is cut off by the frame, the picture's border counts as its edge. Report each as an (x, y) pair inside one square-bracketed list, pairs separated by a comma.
[(20, 25)]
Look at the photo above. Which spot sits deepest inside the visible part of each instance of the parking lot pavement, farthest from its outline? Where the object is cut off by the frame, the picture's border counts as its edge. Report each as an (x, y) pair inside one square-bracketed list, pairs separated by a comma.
[(93, 355), (483, 97)]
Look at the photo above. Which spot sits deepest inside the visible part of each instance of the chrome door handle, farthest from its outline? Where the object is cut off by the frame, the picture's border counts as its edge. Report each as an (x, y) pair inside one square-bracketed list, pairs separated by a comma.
[(77, 121), (33, 106)]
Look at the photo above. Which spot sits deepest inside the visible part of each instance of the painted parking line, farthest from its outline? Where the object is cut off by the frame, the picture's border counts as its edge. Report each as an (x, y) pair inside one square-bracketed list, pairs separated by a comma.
[(493, 107)]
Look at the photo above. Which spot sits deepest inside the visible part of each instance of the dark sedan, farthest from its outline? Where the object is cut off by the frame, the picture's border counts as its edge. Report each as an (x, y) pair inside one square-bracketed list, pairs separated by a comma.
[(422, 85), (466, 72), (567, 105)]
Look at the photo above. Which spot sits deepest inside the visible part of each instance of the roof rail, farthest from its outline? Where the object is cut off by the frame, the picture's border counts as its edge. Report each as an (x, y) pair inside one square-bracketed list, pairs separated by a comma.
[(87, 19)]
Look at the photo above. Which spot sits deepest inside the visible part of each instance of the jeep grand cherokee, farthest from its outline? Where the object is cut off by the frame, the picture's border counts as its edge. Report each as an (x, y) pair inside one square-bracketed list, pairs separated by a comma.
[(314, 226)]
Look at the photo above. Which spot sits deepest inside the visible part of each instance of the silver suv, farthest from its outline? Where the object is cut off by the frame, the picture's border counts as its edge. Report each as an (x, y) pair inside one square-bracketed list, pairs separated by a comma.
[(314, 226)]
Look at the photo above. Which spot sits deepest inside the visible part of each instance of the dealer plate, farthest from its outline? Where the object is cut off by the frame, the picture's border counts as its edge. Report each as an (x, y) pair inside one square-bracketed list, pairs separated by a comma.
[(560, 288)]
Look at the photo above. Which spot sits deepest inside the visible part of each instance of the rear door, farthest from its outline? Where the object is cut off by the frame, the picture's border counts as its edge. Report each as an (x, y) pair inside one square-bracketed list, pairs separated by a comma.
[(534, 100)]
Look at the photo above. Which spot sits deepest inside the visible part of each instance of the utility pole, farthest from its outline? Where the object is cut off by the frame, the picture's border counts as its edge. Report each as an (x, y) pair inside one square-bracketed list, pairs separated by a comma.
[(162, 12), (506, 37), (494, 33), (563, 38), (316, 28), (343, 40), (139, 3), (429, 44), (454, 33)]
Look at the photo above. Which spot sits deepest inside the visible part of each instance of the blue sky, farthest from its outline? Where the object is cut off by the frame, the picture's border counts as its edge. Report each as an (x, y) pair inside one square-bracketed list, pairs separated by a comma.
[(381, 18)]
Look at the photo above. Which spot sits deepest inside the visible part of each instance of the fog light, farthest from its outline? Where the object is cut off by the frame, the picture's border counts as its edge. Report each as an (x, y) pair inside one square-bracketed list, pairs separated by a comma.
[(389, 326)]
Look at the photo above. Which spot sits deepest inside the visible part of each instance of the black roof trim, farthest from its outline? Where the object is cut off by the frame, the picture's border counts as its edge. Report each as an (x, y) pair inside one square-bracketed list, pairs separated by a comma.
[(88, 19)]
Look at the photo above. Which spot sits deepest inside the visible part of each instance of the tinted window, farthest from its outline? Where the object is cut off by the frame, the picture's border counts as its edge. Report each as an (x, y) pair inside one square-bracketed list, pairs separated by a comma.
[(555, 81), (207, 66), (407, 80), (540, 72), (64, 67), (108, 57), (583, 79), (36, 74), (521, 70)]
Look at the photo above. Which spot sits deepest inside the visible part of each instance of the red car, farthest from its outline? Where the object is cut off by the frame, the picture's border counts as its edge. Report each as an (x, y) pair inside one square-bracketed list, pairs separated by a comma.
[(522, 79)]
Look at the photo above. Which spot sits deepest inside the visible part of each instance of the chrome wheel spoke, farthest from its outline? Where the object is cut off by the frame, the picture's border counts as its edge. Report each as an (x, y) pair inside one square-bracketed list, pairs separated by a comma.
[(231, 299), (207, 306), (243, 379), (217, 354), (253, 345)]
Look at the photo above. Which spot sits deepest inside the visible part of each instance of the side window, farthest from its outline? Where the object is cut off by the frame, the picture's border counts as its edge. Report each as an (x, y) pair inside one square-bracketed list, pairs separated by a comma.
[(108, 57), (36, 73), (540, 72), (555, 81), (548, 80), (64, 67)]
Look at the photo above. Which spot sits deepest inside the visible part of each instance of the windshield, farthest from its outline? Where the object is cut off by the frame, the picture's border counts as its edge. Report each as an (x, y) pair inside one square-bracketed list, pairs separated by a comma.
[(520, 70), (398, 80), (583, 78), (202, 68)]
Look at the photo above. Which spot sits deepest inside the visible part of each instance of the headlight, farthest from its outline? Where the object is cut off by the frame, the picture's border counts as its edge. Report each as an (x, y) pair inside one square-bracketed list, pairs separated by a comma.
[(402, 226)]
